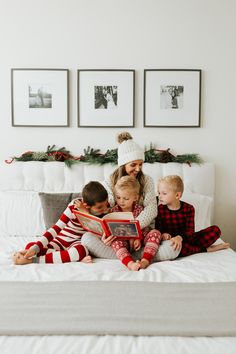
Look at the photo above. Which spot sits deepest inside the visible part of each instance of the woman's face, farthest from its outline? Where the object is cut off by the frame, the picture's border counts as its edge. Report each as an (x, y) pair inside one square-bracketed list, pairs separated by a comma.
[(134, 167)]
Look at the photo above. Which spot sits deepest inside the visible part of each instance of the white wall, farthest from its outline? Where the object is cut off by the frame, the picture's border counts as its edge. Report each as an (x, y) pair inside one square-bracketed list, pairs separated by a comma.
[(129, 34)]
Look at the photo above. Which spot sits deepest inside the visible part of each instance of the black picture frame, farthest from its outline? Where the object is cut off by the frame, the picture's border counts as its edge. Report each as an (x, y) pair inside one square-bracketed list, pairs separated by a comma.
[(40, 97), (172, 98), (106, 98)]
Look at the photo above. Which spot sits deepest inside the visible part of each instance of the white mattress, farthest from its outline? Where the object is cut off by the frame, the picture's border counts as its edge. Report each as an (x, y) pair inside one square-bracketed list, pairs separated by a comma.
[(207, 267)]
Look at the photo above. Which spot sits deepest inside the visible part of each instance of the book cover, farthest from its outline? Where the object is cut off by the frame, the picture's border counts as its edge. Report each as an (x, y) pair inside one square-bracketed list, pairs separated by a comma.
[(119, 224)]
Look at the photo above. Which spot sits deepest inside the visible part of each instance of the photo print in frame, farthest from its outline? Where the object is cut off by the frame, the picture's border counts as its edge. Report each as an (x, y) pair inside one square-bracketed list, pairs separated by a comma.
[(172, 98), (106, 98), (40, 97)]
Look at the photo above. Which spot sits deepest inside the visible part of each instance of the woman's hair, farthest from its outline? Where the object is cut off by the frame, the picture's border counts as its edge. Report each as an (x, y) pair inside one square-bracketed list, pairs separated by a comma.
[(94, 192), (121, 171), (128, 182), (174, 182)]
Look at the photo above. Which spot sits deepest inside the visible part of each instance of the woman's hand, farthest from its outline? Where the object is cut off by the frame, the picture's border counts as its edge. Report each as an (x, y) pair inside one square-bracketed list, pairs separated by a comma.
[(107, 240), (176, 242)]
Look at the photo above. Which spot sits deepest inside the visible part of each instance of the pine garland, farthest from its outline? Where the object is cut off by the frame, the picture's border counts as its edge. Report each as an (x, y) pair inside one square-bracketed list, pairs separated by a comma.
[(94, 156)]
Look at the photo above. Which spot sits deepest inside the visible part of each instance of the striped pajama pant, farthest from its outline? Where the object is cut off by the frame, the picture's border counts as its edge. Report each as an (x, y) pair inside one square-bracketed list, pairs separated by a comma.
[(57, 253)]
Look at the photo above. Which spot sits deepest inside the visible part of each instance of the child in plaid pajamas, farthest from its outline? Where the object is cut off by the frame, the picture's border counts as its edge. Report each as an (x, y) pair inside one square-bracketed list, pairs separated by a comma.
[(61, 243), (127, 191), (175, 220)]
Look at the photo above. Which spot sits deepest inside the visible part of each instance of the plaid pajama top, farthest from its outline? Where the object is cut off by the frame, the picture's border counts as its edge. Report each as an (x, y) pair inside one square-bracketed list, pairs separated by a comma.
[(176, 222)]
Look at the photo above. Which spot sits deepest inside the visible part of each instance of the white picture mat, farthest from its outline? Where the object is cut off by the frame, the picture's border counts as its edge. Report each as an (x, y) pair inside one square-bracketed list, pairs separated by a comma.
[(57, 81), (186, 116), (122, 115)]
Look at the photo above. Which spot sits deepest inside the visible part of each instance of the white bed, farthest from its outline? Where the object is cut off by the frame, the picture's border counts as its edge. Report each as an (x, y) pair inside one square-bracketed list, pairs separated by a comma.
[(21, 220)]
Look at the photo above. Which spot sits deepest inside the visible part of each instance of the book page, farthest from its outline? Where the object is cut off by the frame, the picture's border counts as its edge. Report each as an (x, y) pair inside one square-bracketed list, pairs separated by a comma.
[(119, 215)]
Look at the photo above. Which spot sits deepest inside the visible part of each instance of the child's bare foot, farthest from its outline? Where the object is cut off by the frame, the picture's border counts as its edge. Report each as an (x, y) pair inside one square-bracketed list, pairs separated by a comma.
[(220, 246), (87, 259), (133, 265), (19, 259), (144, 263)]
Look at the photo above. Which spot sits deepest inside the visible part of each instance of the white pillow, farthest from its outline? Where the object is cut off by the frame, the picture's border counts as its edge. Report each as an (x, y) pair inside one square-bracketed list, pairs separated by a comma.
[(21, 214), (203, 209)]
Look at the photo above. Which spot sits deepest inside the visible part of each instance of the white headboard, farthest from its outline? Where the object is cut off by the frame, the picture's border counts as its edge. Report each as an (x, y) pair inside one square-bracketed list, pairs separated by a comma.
[(57, 177), (20, 183)]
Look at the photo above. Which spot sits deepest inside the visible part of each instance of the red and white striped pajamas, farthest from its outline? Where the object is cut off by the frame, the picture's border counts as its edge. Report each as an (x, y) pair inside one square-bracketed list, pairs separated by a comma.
[(61, 243), (151, 241)]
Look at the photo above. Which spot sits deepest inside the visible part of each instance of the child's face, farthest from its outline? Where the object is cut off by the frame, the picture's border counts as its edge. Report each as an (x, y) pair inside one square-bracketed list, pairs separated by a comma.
[(167, 195), (125, 198), (99, 208), (134, 167)]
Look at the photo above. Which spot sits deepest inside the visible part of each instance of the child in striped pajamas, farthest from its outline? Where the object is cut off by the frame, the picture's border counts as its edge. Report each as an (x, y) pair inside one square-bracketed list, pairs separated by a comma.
[(175, 220), (61, 243), (127, 192)]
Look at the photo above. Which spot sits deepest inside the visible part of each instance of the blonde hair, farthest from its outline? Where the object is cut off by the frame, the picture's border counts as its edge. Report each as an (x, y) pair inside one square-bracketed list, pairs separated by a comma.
[(121, 172), (127, 182), (174, 182)]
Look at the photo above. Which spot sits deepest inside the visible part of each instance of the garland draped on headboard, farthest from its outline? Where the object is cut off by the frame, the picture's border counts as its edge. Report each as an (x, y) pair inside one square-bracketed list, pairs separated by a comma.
[(94, 156)]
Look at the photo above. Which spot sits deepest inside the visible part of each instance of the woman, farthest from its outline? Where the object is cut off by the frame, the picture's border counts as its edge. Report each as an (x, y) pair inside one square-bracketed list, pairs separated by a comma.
[(130, 162)]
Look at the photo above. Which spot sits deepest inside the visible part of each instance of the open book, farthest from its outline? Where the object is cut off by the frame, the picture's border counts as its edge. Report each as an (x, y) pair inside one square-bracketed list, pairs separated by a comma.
[(119, 224)]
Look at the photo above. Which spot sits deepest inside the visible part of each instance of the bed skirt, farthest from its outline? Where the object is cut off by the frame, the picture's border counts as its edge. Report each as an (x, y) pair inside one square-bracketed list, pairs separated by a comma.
[(118, 308)]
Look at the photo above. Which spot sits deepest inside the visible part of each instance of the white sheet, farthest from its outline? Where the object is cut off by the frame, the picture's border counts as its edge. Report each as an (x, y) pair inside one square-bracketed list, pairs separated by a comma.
[(116, 345), (204, 267)]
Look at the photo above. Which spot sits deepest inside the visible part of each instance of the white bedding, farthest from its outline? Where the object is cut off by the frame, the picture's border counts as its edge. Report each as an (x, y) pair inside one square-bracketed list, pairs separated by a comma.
[(203, 267), (116, 345)]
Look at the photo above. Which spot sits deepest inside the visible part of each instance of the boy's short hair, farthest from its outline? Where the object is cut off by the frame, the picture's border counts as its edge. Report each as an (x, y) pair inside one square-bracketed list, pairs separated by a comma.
[(174, 181), (94, 192), (128, 182)]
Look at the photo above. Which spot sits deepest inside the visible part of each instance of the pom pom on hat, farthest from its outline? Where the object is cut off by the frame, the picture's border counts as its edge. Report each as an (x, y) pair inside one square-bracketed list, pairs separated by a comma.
[(128, 150)]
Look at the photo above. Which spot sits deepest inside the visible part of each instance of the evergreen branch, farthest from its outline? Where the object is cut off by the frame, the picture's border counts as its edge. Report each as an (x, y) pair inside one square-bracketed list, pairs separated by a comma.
[(94, 156)]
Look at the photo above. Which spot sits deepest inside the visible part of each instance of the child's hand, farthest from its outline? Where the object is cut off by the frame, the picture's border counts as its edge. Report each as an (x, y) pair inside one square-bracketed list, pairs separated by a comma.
[(79, 205), (176, 243), (137, 245), (107, 240), (166, 236), (131, 245)]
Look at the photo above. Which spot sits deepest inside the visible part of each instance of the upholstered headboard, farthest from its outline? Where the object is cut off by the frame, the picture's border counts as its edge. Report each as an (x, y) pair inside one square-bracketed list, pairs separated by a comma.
[(21, 212), (57, 177)]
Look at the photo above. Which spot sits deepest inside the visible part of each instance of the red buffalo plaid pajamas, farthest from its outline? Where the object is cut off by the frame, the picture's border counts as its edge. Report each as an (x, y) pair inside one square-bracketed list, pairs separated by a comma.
[(151, 240), (181, 222)]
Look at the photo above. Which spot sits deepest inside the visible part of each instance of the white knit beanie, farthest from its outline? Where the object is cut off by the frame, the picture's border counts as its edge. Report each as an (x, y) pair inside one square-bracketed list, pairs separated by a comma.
[(128, 150)]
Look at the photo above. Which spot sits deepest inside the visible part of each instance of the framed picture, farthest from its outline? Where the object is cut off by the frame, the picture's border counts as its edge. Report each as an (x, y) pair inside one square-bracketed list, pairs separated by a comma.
[(39, 97), (172, 98), (106, 98)]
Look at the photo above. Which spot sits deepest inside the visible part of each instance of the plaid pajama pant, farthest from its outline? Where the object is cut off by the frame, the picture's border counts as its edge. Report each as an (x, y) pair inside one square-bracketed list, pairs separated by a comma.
[(200, 241)]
